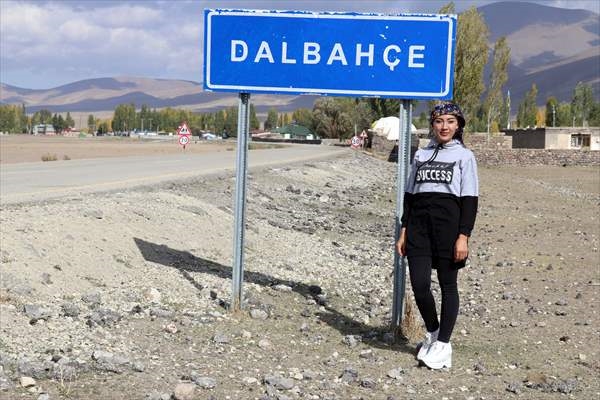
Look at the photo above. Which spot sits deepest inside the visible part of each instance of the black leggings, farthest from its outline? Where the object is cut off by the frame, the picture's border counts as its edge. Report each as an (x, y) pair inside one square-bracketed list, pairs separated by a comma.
[(420, 279)]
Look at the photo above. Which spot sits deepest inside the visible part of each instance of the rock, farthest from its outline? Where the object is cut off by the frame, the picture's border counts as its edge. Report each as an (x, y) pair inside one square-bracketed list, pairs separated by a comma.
[(92, 299), (351, 340), (161, 313), (37, 370), (36, 312), (205, 382), (184, 391), (514, 387), (395, 373), (103, 317), (279, 382), (259, 314), (368, 383), (221, 338), (27, 381), (264, 343), (46, 279), (70, 310), (107, 361), (536, 378), (152, 295), (349, 375), (282, 288)]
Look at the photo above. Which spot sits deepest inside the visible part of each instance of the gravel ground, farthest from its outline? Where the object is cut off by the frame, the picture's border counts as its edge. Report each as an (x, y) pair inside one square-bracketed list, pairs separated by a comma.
[(123, 295)]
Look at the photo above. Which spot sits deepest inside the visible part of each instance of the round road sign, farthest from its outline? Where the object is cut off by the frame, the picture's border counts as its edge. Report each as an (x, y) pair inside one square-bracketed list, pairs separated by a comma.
[(183, 140)]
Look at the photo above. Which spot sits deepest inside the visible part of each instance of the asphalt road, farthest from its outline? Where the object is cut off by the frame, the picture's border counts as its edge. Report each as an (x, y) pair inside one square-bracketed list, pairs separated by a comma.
[(26, 182)]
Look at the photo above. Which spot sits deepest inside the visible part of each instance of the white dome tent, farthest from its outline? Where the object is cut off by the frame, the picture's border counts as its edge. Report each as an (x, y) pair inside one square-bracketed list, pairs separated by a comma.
[(389, 127)]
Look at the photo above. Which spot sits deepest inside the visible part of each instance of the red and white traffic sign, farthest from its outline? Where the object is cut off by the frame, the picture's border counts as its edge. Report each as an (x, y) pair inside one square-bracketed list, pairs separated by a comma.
[(184, 139), (355, 142), (183, 130)]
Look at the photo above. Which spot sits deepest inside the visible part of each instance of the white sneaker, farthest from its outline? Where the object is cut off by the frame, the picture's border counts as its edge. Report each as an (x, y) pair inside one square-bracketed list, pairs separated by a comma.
[(438, 356), (430, 337)]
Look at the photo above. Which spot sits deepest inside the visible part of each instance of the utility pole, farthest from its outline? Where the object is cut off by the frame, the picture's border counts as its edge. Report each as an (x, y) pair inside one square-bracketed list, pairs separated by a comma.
[(508, 109), (553, 116)]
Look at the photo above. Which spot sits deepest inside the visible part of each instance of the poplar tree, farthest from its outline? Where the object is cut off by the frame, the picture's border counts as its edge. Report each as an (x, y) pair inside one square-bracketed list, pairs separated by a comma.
[(582, 103), (526, 116), (470, 60), (498, 78), (304, 117), (272, 117), (254, 122)]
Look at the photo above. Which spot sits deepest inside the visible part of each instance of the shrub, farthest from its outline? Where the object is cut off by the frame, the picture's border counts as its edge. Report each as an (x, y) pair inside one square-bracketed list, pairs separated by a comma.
[(49, 157)]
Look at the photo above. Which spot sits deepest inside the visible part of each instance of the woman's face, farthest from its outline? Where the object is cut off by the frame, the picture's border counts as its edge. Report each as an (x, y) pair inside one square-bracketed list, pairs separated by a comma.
[(444, 128)]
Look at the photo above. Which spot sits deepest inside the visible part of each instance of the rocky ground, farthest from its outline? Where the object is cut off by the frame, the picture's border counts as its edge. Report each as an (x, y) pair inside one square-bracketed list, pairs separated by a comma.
[(124, 295)]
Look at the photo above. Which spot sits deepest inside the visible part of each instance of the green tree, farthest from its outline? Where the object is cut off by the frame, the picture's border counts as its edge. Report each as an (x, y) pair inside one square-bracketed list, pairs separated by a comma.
[(304, 117), (383, 107), (124, 118), (231, 121), (526, 116), (219, 121), (11, 120), (581, 103), (563, 114), (272, 117), (595, 114), (59, 123), (330, 119), (254, 122), (69, 122), (498, 78), (470, 60), (103, 127), (91, 123)]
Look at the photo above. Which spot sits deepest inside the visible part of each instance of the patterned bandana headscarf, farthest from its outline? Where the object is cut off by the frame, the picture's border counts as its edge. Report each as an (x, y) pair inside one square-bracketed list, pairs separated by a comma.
[(449, 108)]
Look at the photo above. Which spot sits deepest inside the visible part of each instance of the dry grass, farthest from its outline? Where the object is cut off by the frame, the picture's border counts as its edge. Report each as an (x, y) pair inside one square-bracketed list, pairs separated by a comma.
[(49, 157)]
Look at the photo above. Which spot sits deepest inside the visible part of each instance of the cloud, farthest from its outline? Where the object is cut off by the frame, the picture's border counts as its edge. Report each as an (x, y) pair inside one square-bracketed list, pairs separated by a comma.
[(41, 40)]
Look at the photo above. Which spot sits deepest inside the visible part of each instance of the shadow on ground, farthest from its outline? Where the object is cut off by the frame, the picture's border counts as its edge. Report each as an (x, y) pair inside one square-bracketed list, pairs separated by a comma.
[(187, 263)]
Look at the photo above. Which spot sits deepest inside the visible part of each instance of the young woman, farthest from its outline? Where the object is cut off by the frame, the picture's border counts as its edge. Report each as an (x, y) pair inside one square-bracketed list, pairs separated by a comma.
[(440, 205)]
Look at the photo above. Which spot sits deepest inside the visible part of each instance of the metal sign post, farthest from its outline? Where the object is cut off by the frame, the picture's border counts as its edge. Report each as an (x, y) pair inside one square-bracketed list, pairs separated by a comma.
[(405, 56), (240, 201), (403, 163)]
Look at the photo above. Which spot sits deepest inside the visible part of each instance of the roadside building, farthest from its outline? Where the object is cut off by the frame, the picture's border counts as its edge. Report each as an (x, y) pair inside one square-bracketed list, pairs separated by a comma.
[(43, 129), (295, 131), (563, 138)]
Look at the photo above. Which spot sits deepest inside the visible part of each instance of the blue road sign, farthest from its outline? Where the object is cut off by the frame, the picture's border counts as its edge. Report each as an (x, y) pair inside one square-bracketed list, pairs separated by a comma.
[(407, 56)]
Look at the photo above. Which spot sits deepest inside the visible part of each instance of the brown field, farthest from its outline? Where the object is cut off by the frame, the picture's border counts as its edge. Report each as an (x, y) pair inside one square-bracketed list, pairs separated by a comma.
[(28, 148)]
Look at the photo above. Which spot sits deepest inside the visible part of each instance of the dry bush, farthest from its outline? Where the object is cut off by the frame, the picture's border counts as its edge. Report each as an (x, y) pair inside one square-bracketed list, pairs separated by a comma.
[(49, 157)]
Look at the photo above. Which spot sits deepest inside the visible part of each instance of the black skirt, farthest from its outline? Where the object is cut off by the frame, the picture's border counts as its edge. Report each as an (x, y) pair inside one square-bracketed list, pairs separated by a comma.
[(433, 226)]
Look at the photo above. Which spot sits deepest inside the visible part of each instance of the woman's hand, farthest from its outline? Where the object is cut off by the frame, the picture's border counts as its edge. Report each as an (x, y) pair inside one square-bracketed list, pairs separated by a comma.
[(461, 248), (401, 244)]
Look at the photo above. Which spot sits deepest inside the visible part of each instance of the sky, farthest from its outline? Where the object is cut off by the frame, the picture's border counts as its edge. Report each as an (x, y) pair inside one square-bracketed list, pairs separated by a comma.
[(45, 44)]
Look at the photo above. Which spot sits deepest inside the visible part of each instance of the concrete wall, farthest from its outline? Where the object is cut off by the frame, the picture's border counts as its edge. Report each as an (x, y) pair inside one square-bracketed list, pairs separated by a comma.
[(527, 138), (537, 157), (553, 138)]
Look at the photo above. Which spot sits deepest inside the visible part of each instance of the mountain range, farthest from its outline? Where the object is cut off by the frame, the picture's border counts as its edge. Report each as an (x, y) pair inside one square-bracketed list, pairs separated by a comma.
[(552, 47)]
